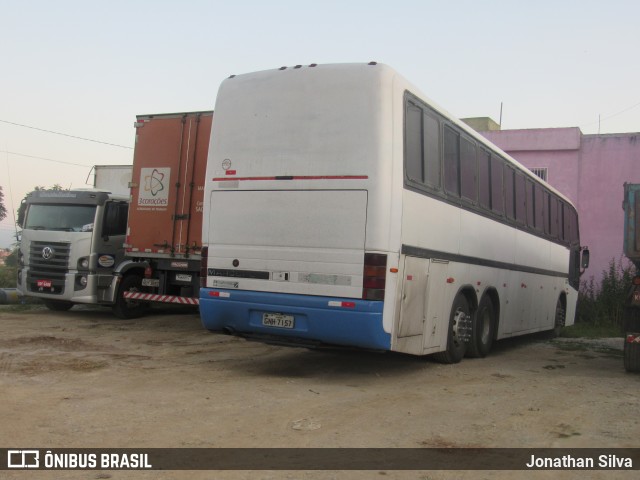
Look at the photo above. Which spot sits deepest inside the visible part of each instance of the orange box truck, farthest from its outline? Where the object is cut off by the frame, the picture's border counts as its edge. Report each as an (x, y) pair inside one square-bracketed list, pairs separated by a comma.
[(163, 240)]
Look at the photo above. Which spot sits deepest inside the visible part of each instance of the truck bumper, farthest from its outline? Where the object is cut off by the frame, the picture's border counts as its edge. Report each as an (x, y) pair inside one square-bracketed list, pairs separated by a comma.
[(315, 320), (69, 292)]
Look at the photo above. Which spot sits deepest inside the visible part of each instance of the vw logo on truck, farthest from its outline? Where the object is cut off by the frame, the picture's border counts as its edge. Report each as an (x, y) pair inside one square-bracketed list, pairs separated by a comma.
[(48, 253)]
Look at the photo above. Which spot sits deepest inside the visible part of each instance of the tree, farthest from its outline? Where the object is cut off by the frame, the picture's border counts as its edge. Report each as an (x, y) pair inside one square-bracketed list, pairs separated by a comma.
[(3, 209)]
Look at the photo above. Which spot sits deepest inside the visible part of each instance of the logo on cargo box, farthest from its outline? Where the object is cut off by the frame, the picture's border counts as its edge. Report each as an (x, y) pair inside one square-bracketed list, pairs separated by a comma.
[(155, 191)]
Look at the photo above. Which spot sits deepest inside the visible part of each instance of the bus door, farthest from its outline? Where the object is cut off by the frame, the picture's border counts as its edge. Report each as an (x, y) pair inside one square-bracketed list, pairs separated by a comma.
[(421, 301)]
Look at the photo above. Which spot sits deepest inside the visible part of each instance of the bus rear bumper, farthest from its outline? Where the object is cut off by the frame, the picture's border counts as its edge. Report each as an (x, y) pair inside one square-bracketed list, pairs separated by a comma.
[(315, 320)]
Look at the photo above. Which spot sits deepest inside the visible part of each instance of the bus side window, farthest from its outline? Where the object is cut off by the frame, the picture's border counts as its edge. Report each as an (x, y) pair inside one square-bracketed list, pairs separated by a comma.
[(422, 144), (431, 135), (451, 161), (520, 199), (497, 200), (468, 170), (484, 179), (509, 195), (413, 143), (531, 223), (553, 217)]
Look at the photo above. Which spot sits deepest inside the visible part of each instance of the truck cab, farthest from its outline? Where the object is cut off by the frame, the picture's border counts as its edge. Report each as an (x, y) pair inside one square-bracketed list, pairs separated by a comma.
[(71, 242)]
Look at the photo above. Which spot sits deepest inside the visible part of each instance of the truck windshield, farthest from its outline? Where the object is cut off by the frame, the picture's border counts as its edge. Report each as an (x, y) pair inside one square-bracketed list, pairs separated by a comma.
[(68, 218)]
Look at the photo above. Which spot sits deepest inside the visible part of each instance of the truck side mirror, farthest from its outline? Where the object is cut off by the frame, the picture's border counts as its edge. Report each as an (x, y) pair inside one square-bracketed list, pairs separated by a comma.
[(585, 258)]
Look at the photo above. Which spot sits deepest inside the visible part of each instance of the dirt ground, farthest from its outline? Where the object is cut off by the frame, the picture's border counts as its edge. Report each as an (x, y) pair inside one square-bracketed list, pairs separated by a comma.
[(86, 379)]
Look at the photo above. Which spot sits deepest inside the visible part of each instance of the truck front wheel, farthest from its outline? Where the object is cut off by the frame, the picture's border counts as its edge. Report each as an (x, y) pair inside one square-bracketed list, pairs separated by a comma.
[(58, 305), (128, 308)]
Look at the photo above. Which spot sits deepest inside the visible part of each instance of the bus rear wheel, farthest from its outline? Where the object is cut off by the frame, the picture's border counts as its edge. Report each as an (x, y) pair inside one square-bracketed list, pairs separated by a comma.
[(482, 329), (458, 320)]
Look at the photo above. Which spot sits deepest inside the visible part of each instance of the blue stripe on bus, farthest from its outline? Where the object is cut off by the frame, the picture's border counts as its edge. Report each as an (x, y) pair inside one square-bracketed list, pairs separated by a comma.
[(241, 311)]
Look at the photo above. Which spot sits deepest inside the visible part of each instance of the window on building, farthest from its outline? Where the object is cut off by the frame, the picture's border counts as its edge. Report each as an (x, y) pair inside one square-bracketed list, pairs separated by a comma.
[(541, 172)]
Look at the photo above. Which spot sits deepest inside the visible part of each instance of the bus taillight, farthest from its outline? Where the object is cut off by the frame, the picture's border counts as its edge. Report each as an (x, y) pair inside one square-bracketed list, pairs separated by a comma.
[(374, 276), (204, 263)]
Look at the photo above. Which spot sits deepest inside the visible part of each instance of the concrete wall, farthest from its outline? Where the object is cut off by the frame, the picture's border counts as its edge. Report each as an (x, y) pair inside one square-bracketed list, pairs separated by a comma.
[(590, 170)]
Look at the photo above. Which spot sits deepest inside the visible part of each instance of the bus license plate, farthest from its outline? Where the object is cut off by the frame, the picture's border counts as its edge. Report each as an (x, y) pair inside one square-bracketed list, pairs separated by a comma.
[(277, 320)]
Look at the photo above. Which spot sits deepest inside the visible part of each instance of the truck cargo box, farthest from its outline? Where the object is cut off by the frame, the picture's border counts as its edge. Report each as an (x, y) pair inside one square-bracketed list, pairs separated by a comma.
[(113, 178), (167, 187)]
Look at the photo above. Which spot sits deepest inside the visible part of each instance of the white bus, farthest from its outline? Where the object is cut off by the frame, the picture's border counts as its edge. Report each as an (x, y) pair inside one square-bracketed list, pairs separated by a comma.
[(344, 208)]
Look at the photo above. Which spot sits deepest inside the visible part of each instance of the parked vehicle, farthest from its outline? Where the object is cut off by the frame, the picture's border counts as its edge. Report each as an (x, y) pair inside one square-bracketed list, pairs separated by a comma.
[(164, 235), (358, 213), (71, 243), (97, 247), (631, 206)]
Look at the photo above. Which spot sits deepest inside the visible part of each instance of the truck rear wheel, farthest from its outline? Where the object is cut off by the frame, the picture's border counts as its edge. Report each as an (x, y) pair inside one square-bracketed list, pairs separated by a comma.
[(127, 308), (58, 305)]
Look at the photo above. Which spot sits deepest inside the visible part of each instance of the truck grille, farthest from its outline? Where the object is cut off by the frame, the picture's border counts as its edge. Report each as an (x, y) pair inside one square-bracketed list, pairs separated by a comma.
[(49, 264)]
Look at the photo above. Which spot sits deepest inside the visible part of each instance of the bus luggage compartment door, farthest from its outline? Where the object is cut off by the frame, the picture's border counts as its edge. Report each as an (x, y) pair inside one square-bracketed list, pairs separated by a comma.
[(422, 308)]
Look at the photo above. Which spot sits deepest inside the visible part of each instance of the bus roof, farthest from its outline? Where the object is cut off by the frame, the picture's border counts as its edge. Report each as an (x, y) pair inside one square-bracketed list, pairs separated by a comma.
[(349, 70)]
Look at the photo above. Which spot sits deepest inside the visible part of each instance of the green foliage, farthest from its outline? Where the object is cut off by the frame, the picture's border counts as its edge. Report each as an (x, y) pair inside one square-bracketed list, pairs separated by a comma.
[(8, 276), (588, 330), (9, 271), (3, 209), (602, 305)]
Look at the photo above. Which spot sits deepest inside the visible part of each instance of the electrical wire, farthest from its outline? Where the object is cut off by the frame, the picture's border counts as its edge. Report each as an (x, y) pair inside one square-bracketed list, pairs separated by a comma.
[(613, 115), (43, 158), (66, 135)]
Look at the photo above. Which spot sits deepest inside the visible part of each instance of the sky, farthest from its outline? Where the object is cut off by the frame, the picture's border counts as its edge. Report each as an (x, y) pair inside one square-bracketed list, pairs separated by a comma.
[(86, 69)]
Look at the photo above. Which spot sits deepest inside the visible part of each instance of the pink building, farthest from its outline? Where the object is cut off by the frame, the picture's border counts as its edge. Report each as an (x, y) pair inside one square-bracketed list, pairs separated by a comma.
[(590, 170)]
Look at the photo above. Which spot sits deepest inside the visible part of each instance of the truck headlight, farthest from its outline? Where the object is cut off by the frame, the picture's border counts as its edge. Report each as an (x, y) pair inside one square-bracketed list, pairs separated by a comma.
[(81, 282), (83, 263)]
